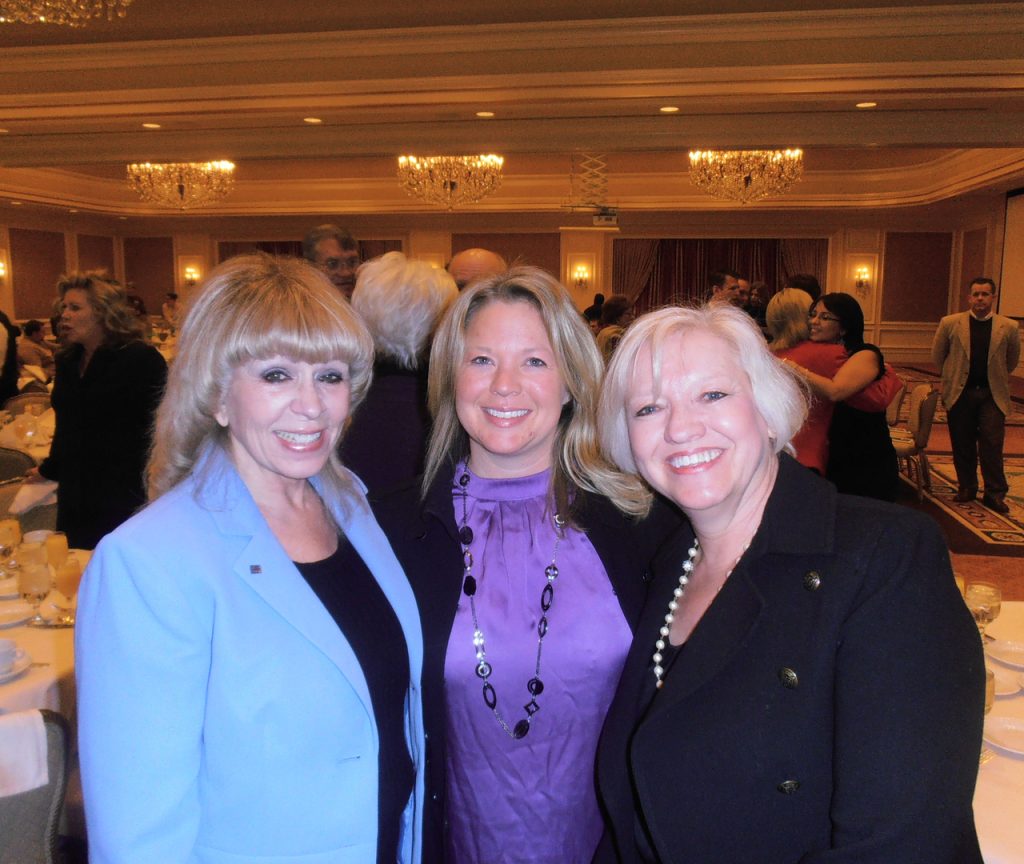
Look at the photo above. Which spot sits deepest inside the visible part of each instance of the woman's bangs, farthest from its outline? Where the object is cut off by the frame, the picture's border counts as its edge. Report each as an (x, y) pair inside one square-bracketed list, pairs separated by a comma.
[(295, 331)]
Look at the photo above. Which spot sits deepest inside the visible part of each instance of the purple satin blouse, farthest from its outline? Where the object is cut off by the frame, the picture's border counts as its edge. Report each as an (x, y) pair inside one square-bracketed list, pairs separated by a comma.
[(533, 799)]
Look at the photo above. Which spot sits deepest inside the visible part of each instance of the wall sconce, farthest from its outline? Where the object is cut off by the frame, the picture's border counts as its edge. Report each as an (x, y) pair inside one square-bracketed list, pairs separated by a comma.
[(3, 270), (862, 277), (191, 276), (581, 276)]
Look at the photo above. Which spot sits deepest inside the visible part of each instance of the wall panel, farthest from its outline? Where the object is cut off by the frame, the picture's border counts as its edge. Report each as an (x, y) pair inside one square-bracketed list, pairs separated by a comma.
[(37, 262), (539, 250), (149, 266), (916, 275), (96, 253)]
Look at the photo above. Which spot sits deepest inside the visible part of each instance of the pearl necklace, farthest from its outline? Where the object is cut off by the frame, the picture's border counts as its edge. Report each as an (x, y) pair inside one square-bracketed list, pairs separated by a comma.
[(673, 604), (535, 686)]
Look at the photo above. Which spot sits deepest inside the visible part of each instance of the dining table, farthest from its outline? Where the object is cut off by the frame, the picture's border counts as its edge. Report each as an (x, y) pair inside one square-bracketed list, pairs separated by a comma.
[(999, 795)]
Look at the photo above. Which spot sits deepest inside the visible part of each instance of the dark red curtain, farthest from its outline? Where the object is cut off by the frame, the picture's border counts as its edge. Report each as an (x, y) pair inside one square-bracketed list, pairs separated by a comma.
[(682, 266)]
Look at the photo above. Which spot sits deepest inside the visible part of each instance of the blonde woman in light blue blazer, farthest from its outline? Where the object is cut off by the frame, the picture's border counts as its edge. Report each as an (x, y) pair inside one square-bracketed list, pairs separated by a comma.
[(224, 715)]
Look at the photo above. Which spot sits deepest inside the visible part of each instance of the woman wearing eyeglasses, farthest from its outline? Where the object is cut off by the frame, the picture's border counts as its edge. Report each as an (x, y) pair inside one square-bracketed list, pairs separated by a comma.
[(861, 458)]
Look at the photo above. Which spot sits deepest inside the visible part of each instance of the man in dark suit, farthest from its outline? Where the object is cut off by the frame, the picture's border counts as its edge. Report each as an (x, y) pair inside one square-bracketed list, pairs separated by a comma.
[(976, 352)]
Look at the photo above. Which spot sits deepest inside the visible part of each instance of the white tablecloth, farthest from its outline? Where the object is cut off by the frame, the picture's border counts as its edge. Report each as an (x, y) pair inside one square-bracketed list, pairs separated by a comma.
[(999, 798), (46, 686)]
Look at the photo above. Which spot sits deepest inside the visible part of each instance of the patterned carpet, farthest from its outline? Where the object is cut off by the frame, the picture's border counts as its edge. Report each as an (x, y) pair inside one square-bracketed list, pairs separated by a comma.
[(1000, 535)]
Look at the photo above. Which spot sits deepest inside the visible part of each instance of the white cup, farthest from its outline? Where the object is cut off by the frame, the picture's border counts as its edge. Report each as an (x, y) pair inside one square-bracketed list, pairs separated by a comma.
[(8, 654)]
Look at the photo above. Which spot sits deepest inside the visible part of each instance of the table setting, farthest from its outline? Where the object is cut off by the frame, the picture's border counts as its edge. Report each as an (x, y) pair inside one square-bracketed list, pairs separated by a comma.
[(28, 432), (1000, 790), (39, 579)]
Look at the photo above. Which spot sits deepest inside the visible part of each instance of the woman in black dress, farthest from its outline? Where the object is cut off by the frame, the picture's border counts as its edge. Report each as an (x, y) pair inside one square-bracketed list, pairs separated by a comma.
[(106, 389)]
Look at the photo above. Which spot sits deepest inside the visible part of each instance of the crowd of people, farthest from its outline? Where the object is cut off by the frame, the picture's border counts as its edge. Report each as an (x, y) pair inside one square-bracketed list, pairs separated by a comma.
[(423, 569)]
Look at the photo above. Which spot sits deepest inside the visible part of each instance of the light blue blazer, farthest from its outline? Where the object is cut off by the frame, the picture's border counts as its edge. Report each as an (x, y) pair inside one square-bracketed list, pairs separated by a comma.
[(223, 717)]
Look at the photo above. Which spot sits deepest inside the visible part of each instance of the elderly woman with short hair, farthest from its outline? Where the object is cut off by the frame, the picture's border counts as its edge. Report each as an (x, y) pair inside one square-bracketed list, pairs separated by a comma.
[(248, 650), (528, 580), (805, 684), (400, 301), (107, 385)]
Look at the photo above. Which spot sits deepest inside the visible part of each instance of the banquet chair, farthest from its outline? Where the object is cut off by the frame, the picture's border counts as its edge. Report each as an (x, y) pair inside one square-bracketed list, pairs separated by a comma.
[(911, 443), (28, 820), (892, 412), (14, 463), (18, 404)]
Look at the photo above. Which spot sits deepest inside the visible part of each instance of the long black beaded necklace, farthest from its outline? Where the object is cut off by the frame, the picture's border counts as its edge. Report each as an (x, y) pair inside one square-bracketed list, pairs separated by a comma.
[(535, 686)]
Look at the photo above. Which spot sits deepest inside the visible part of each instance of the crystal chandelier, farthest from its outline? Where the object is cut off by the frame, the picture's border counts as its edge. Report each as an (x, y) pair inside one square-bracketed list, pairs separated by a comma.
[(450, 180), (73, 13), (182, 185), (745, 175)]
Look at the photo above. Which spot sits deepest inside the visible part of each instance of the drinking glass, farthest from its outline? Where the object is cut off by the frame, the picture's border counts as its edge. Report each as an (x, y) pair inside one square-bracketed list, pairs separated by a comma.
[(56, 548), (984, 600), (10, 537), (66, 578), (990, 698), (34, 583)]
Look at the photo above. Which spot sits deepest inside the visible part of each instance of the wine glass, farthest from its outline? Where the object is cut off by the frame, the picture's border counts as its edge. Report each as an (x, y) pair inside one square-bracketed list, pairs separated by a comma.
[(984, 600), (990, 698), (66, 578), (56, 548), (34, 583), (10, 537)]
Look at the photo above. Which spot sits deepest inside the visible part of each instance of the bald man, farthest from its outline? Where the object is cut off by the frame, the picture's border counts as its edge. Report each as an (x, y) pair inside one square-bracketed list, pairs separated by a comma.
[(470, 265)]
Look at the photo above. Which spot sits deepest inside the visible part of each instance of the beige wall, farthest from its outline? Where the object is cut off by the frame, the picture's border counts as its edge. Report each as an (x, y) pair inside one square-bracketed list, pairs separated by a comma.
[(900, 306)]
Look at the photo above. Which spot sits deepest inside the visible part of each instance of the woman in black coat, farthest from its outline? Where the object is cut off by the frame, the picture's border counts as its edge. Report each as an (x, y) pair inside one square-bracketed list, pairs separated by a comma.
[(806, 684), (105, 393)]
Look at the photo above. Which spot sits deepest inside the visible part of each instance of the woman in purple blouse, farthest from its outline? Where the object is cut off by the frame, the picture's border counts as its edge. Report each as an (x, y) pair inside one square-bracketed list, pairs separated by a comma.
[(529, 581)]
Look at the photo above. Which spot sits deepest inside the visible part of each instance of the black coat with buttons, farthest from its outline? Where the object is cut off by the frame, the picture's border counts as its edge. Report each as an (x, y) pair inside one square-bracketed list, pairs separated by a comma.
[(827, 708), (424, 536)]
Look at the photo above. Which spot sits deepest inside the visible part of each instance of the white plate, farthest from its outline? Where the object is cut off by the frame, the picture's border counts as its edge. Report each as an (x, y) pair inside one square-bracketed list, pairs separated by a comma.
[(1008, 682), (12, 616), (9, 588), (21, 662), (1007, 653), (1005, 733)]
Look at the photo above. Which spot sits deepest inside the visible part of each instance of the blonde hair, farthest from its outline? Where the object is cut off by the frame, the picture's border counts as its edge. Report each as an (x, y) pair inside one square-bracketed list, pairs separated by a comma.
[(251, 307), (786, 318), (108, 300), (777, 397), (577, 461), (400, 302)]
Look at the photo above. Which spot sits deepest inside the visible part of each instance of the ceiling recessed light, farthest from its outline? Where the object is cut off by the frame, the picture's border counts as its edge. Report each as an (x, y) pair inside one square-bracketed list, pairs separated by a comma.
[(484, 113), (72, 210), (4, 131), (867, 104), (150, 125), (15, 203), (313, 121), (668, 109)]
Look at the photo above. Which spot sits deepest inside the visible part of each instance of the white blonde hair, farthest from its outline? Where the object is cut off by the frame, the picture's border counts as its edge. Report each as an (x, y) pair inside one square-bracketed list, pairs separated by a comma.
[(400, 302), (777, 396)]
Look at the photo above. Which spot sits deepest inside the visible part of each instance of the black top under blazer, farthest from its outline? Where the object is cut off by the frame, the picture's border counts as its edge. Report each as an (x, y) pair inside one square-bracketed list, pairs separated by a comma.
[(424, 536), (827, 708)]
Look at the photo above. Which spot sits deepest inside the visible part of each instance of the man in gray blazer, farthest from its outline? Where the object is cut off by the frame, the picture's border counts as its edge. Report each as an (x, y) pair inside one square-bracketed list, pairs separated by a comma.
[(976, 351)]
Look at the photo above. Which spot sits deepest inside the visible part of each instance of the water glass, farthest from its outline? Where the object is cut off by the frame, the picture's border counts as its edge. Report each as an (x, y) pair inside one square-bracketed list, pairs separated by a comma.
[(34, 583), (984, 600)]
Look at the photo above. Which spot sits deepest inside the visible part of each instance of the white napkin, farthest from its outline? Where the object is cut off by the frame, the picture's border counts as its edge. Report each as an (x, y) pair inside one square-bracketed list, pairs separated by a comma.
[(22, 752), (33, 495)]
